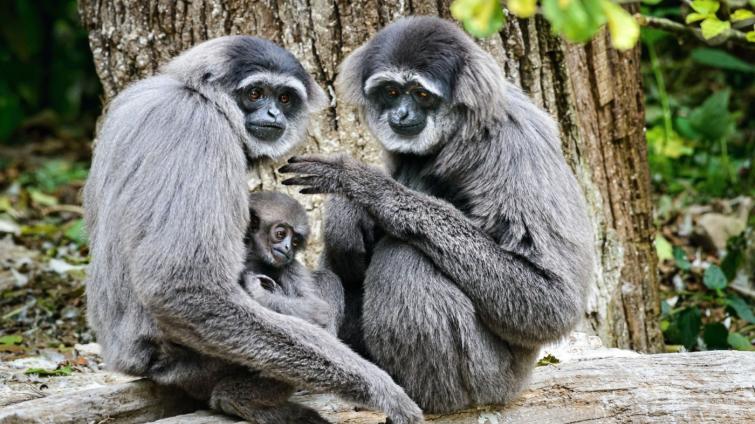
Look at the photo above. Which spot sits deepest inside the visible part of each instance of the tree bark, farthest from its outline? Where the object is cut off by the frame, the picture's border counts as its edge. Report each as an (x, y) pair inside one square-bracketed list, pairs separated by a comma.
[(608, 386), (592, 90)]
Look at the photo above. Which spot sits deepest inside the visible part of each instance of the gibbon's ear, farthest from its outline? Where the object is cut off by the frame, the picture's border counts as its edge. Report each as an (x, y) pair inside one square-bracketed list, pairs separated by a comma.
[(349, 80), (317, 98), (480, 86)]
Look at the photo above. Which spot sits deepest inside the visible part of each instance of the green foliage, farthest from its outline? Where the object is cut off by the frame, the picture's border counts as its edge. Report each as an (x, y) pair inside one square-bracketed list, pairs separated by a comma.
[(714, 278), (576, 20), (45, 65), (53, 174)]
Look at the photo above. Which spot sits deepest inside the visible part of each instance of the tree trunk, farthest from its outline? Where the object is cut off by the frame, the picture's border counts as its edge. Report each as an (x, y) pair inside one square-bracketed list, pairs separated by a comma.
[(593, 91)]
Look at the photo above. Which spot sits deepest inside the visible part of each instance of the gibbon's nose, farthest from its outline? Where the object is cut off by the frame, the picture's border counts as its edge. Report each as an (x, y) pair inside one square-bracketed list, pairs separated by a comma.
[(273, 112)]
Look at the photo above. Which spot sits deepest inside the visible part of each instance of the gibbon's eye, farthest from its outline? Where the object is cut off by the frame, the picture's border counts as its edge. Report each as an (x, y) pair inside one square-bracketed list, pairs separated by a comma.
[(284, 98), (422, 94), (391, 91), (296, 241), (255, 94), (279, 234)]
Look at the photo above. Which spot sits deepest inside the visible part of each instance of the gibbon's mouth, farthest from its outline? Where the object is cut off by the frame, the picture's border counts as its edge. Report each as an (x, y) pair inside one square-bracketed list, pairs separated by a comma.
[(280, 255), (267, 131), (408, 130)]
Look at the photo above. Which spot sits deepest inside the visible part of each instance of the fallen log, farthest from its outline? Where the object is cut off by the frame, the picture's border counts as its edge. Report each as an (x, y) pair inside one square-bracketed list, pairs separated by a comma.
[(612, 386)]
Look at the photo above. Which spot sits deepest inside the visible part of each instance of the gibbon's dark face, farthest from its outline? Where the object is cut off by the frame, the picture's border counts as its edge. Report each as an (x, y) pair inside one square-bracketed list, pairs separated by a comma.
[(268, 109), (406, 106), (278, 228)]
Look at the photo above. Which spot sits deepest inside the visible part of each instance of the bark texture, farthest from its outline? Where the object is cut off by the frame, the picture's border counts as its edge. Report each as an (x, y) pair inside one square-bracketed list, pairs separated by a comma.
[(593, 91), (613, 386)]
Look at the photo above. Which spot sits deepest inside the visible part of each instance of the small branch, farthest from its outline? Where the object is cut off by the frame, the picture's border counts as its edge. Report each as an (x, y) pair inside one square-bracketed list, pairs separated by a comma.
[(677, 28)]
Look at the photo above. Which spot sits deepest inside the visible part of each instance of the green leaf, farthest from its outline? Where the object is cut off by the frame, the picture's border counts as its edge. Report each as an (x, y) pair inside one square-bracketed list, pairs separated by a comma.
[(694, 17), (714, 336), (712, 26), (705, 7), (681, 259), (741, 15), (575, 20), (522, 8), (720, 59), (663, 248), (42, 199), (667, 145), (712, 119), (625, 31), (741, 307), (76, 232), (685, 328), (750, 36), (714, 278), (651, 2), (58, 372), (481, 18), (11, 340), (739, 342)]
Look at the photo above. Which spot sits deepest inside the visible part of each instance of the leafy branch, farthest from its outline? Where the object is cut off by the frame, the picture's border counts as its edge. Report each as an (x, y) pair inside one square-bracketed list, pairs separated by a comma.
[(579, 20)]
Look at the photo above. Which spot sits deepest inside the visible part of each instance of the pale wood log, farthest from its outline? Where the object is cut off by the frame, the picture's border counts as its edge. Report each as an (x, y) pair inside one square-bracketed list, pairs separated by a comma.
[(716, 386)]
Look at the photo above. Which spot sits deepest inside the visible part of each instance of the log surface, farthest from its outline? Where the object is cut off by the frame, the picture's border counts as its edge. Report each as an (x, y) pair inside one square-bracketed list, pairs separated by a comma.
[(612, 386)]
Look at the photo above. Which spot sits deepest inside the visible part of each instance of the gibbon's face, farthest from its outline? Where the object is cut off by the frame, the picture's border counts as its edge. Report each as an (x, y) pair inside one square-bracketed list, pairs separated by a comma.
[(270, 104), (404, 110)]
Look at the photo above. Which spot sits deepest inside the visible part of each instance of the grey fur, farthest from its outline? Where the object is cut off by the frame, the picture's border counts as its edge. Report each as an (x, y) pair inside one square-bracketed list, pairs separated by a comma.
[(295, 290), (167, 209), (472, 254)]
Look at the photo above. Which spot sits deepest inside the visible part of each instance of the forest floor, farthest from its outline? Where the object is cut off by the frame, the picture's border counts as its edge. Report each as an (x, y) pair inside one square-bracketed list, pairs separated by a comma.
[(43, 258)]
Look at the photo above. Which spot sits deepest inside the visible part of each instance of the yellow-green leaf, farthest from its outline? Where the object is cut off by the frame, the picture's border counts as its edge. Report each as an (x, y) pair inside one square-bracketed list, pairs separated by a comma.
[(663, 248), (481, 18), (705, 7), (741, 15), (42, 199), (711, 27), (624, 29), (694, 17), (750, 36), (522, 8)]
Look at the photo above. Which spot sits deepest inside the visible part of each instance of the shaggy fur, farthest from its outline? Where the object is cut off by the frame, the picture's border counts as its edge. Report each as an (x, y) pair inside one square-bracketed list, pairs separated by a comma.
[(295, 291), (167, 210), (477, 249)]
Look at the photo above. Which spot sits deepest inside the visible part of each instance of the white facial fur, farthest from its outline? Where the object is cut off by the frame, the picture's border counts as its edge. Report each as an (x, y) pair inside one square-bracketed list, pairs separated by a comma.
[(422, 143)]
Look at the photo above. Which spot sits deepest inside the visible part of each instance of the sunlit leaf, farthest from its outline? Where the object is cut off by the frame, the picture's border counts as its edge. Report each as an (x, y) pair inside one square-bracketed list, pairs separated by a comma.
[(670, 145), (714, 278), (741, 15), (547, 360), (76, 232), (705, 7), (694, 17), (712, 26), (750, 36), (522, 8), (663, 248), (480, 18), (651, 2), (625, 31), (577, 20), (739, 342), (42, 199), (11, 340)]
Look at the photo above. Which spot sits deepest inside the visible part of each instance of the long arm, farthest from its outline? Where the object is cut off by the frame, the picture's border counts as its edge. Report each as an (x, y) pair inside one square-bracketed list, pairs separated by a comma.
[(179, 193), (526, 300)]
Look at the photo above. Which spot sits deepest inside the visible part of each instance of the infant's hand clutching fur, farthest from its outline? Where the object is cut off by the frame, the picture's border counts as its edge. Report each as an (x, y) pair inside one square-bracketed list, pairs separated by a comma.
[(259, 286), (334, 174)]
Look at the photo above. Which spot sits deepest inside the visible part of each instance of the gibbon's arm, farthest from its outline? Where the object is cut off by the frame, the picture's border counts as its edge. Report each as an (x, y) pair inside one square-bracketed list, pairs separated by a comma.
[(524, 302), (183, 208)]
